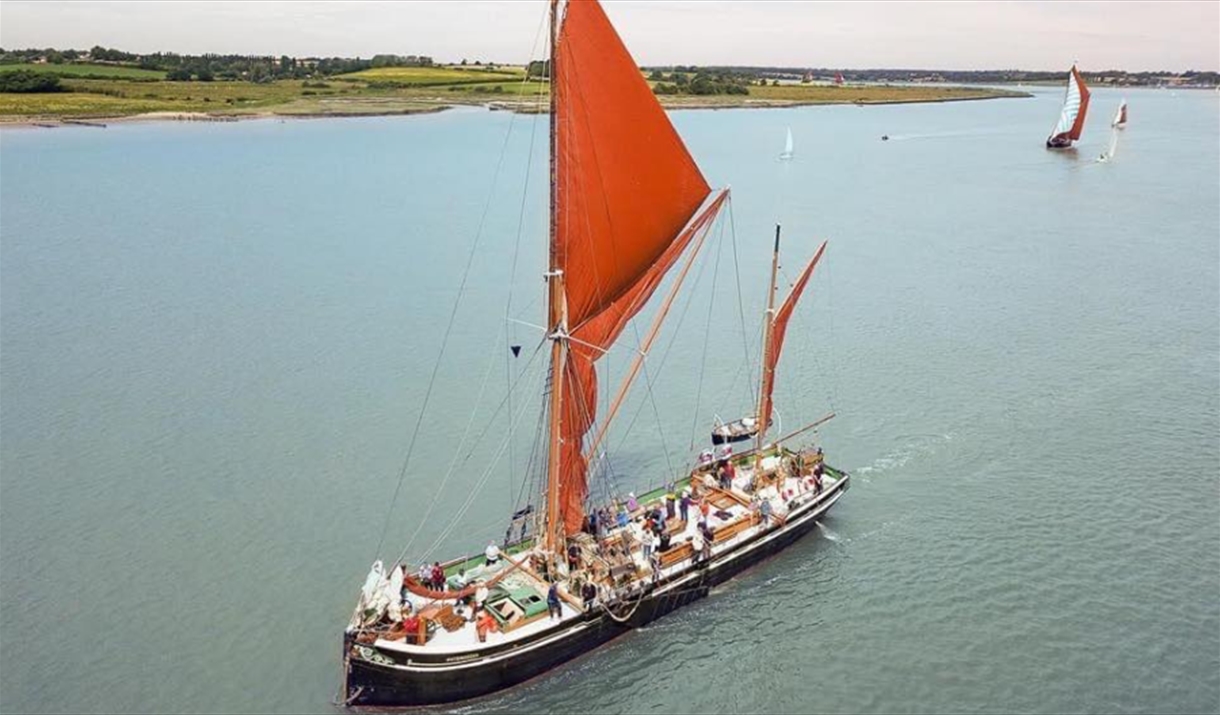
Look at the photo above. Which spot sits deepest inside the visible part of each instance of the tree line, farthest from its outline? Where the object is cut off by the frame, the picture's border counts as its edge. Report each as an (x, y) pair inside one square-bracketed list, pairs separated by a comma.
[(1100, 77), (209, 67), (701, 83)]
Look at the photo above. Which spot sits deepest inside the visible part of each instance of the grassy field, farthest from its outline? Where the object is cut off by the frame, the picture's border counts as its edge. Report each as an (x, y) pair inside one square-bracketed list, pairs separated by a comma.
[(401, 90), (512, 89), (434, 76), (86, 70)]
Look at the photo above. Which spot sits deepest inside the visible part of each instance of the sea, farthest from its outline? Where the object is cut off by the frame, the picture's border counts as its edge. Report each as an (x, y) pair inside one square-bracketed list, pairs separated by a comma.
[(240, 362)]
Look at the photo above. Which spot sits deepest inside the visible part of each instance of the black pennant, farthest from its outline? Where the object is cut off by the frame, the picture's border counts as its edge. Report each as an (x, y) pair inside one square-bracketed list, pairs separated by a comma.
[(516, 350)]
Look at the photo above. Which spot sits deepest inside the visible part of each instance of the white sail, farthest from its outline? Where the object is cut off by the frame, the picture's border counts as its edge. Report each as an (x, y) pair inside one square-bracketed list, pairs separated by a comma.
[(788, 149), (1120, 117), (1071, 108)]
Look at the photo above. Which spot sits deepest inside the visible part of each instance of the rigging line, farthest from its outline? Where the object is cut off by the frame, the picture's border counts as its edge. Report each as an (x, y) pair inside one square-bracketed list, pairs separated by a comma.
[(445, 341), (478, 440), (455, 520), (474, 413), (741, 368), (652, 399), (474, 492), (585, 415), (740, 306), (672, 341), (533, 457), (661, 364), (833, 371), (700, 230), (707, 329), (512, 276), (535, 469)]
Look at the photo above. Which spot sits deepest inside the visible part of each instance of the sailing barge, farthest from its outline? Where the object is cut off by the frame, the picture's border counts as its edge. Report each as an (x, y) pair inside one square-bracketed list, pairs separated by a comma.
[(627, 203), (1070, 125)]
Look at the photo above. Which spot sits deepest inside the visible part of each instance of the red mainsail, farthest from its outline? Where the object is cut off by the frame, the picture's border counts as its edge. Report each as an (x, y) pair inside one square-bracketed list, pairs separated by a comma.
[(625, 188)]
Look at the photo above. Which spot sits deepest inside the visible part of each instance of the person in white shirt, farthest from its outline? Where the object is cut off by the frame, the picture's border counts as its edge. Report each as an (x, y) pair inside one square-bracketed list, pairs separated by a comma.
[(480, 600), (492, 553)]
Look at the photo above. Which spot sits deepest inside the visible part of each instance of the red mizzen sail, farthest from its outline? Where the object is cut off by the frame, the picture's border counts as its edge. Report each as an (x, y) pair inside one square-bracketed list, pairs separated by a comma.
[(626, 187), (779, 326)]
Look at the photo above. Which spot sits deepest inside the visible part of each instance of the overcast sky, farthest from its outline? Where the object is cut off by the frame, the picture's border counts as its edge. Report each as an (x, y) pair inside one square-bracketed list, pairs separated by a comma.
[(967, 34)]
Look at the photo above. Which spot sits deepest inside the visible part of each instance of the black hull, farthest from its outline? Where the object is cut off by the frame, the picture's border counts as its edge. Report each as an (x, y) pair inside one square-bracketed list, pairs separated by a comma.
[(427, 679)]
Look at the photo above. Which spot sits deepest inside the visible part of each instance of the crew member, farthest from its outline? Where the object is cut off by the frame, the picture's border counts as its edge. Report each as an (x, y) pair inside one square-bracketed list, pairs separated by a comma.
[(552, 602), (588, 592)]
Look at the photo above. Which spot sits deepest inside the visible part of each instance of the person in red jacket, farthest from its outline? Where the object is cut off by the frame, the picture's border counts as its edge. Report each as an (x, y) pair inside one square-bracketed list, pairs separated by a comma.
[(483, 625)]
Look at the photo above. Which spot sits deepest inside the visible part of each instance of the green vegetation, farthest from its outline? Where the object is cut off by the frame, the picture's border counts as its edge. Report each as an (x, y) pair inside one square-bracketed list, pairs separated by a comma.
[(84, 70), (103, 83), (25, 82), (701, 84), (204, 67), (539, 68), (392, 77)]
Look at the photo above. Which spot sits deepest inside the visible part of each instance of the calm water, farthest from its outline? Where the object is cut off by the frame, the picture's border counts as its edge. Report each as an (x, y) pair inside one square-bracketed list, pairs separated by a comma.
[(217, 339)]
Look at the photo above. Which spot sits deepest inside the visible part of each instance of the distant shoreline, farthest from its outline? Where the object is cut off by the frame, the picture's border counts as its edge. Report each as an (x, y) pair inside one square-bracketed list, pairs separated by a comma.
[(440, 105)]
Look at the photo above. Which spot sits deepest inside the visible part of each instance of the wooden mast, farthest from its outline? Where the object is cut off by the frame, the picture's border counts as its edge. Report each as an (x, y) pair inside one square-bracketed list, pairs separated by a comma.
[(764, 392), (556, 324)]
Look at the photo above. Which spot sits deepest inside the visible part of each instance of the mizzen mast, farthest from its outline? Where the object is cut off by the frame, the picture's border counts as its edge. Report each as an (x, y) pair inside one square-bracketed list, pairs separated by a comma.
[(768, 367), (776, 326)]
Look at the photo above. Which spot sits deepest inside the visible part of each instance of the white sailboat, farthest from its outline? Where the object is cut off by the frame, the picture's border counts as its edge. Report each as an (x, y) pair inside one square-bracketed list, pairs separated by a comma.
[(788, 152), (1119, 122)]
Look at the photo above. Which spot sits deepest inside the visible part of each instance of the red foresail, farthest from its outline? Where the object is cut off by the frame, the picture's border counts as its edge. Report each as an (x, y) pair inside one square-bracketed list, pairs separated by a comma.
[(625, 189), (779, 326), (1078, 125)]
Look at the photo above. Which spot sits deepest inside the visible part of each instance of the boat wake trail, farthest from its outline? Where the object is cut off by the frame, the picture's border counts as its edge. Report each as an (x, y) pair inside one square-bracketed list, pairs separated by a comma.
[(828, 533), (911, 447), (955, 134)]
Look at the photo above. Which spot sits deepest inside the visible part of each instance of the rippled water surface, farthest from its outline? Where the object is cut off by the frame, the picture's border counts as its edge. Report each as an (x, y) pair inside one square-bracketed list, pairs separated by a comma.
[(216, 340)]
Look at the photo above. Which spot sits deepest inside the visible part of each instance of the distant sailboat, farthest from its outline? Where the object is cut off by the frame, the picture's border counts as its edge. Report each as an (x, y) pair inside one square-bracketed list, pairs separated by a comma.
[(1120, 121), (1071, 118), (788, 152)]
